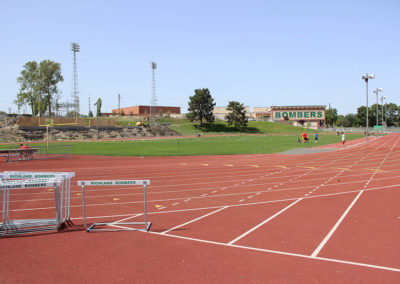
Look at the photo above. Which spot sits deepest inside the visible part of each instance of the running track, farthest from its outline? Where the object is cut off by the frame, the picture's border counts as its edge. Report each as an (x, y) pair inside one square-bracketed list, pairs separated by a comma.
[(330, 217)]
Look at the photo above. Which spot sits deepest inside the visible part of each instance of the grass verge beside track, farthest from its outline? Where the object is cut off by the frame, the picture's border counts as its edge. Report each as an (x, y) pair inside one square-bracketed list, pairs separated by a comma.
[(224, 145)]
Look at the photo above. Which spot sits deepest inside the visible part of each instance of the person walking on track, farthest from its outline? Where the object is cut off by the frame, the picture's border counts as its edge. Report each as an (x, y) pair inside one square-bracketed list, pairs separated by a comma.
[(343, 138)]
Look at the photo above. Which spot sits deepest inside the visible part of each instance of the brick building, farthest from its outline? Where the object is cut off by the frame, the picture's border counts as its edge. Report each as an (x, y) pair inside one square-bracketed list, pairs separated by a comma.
[(145, 110)]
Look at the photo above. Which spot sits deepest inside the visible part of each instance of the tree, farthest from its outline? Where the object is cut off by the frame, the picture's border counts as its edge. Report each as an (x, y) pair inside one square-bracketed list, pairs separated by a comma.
[(90, 113), (392, 114), (351, 120), (236, 115), (331, 116), (29, 90), (49, 77), (98, 105), (361, 117), (348, 120), (38, 85), (201, 105)]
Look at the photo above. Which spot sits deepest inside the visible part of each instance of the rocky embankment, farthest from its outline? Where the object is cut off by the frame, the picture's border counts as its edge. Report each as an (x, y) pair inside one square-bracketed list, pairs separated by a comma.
[(13, 133)]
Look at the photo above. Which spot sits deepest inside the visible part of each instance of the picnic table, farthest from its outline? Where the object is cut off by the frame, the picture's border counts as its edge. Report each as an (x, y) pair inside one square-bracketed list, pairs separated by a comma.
[(19, 154)]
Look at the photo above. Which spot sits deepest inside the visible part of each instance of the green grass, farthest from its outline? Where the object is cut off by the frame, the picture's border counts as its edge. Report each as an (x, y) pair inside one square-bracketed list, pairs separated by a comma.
[(223, 145), (185, 127), (220, 127)]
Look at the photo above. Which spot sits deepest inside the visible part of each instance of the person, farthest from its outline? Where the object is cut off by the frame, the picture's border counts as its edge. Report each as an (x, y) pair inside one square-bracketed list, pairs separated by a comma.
[(343, 139), (298, 140), (26, 155), (305, 138), (316, 137)]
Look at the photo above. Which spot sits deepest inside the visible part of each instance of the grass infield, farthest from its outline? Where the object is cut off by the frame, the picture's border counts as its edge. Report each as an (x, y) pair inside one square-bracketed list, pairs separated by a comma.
[(220, 145)]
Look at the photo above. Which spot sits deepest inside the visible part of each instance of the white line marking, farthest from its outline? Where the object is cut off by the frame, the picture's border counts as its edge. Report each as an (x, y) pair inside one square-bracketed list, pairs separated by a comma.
[(253, 203), (186, 200), (194, 220), (122, 227), (328, 236), (176, 203), (119, 221), (283, 253), (264, 222)]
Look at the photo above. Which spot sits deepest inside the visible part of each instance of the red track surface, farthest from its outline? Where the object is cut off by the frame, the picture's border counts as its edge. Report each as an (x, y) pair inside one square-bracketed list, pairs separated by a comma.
[(329, 218)]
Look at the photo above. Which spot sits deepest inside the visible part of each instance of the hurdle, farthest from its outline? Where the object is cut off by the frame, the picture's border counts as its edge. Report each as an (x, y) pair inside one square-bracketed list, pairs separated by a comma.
[(145, 183), (15, 227), (65, 190)]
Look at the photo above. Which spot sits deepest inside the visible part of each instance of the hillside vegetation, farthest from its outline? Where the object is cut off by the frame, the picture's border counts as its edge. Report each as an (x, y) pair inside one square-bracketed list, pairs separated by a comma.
[(185, 127)]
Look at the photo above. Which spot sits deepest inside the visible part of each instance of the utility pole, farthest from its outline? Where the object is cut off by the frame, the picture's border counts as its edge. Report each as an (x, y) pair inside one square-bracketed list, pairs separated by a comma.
[(89, 104), (330, 111), (119, 104)]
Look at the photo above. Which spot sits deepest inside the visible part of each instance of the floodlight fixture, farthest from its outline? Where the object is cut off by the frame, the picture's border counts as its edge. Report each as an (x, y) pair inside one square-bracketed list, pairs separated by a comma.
[(75, 47), (153, 65), (365, 78)]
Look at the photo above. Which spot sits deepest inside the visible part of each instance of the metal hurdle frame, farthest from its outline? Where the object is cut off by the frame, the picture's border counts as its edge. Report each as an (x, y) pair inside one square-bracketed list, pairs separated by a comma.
[(65, 191), (145, 183), (14, 227)]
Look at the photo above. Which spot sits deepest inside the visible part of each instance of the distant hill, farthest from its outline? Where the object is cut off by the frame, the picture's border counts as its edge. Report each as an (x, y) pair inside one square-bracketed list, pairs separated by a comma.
[(185, 127)]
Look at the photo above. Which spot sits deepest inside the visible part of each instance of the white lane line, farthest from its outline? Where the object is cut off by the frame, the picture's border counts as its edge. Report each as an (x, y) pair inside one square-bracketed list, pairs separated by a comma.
[(264, 222), (122, 227), (119, 221), (176, 203), (194, 220), (283, 253), (163, 200), (241, 200), (332, 231), (186, 200)]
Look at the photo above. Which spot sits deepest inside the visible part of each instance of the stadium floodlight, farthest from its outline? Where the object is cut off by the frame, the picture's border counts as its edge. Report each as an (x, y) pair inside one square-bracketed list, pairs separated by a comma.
[(365, 78), (377, 103)]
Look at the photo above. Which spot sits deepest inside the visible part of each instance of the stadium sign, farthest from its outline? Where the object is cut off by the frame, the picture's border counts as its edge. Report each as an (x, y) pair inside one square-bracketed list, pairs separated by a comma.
[(298, 115)]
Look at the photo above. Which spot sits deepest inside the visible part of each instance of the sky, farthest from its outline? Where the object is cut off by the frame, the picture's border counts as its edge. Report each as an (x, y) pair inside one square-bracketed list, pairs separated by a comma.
[(260, 53)]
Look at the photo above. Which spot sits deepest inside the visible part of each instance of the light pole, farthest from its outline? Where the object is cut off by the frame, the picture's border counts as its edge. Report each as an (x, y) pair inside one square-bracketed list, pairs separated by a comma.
[(377, 103), (365, 78), (382, 98), (97, 121)]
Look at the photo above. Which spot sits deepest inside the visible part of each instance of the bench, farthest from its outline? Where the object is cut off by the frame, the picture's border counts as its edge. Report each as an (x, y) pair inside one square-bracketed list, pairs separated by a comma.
[(22, 154)]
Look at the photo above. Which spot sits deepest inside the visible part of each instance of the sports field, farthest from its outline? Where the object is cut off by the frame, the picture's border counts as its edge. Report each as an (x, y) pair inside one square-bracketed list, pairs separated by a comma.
[(207, 145), (329, 217)]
